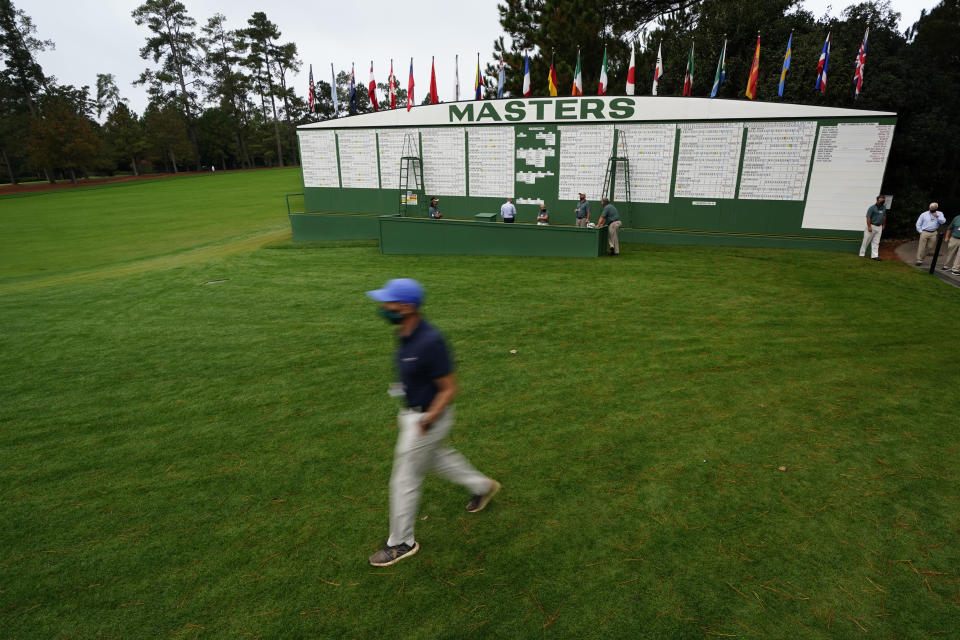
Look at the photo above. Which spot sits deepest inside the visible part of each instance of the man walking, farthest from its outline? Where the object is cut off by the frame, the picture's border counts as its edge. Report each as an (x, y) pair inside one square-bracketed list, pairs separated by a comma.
[(508, 212), (428, 382), (927, 225), (876, 221), (953, 246), (609, 215), (583, 211)]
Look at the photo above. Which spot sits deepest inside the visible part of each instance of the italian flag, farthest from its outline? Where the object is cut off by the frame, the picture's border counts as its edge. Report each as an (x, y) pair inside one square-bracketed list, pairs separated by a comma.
[(602, 89), (688, 76)]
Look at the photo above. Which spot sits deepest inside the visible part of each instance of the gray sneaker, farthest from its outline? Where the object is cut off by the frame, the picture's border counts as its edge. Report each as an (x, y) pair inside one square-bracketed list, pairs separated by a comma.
[(944, 268), (392, 555), (477, 503)]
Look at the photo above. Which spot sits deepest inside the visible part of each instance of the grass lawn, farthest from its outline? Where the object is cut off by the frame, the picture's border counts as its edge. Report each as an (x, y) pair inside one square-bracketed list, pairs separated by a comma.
[(89, 227), (182, 459)]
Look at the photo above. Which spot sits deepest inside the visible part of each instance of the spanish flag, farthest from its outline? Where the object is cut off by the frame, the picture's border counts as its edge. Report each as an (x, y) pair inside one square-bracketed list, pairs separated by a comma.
[(552, 78), (754, 72)]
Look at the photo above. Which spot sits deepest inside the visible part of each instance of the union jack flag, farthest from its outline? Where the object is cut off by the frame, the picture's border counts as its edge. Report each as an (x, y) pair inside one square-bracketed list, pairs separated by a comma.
[(861, 63)]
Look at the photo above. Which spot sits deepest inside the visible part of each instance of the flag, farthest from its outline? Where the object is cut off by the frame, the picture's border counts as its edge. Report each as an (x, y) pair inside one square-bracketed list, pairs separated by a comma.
[(372, 90), (353, 89), (861, 63), (631, 73), (602, 87), (786, 65), (456, 78), (526, 77), (312, 97), (501, 79), (822, 67), (754, 72), (577, 89), (410, 87), (434, 98), (688, 76), (478, 83), (658, 71), (552, 78), (721, 70), (333, 90), (392, 81)]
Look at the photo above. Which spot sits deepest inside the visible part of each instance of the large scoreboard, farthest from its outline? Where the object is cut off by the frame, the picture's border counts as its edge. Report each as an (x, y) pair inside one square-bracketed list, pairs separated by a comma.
[(684, 165)]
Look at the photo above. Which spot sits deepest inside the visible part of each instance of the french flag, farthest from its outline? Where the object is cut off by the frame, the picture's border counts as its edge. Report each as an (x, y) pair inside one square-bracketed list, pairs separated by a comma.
[(526, 77)]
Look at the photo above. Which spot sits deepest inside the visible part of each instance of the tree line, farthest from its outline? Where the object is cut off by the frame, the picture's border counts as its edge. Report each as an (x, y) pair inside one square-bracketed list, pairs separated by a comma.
[(217, 97)]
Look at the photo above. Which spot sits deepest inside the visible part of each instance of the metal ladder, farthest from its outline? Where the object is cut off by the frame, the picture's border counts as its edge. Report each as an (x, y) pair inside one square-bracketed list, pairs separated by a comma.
[(411, 178), (617, 177)]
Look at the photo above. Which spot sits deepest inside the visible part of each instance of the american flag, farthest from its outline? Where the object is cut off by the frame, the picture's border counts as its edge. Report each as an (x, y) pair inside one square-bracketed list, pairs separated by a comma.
[(312, 95), (861, 63)]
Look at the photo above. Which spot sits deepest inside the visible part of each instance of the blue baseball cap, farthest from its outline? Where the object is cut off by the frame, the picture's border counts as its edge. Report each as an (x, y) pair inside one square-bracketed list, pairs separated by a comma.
[(399, 290)]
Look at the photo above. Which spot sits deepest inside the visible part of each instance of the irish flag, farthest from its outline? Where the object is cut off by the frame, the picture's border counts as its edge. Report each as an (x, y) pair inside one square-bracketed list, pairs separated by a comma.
[(602, 88), (577, 79)]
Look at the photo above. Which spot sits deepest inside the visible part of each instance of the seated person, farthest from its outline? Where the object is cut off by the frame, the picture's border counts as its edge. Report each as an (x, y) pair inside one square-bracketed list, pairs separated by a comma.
[(543, 218)]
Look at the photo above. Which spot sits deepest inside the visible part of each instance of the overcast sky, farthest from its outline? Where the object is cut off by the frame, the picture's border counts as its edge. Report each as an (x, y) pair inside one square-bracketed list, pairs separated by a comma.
[(99, 36)]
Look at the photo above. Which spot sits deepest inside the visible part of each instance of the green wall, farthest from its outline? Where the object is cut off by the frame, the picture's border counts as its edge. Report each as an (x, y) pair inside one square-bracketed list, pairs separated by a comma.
[(419, 236), (309, 227)]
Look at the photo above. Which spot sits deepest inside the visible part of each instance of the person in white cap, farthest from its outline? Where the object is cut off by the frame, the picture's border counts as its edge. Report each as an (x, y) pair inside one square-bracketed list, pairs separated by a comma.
[(927, 225), (429, 385)]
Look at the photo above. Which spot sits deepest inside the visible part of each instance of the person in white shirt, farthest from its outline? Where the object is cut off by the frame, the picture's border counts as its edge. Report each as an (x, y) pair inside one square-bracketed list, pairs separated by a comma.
[(508, 212), (927, 225)]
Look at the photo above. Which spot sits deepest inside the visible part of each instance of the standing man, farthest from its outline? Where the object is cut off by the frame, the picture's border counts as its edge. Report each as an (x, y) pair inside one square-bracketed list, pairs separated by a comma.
[(876, 221), (508, 212), (429, 385), (609, 215), (927, 225), (434, 211), (583, 211), (953, 246)]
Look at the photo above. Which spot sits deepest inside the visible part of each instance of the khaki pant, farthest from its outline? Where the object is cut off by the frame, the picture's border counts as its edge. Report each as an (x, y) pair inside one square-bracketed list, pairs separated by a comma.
[(871, 238), (613, 235), (415, 455), (928, 240), (581, 222), (952, 253)]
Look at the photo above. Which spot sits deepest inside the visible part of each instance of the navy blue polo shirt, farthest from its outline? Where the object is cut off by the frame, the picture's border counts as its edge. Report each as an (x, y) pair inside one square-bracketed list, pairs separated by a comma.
[(422, 357)]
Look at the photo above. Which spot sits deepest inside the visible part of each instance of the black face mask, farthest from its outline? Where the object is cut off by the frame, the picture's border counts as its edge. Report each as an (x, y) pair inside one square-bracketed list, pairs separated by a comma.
[(391, 316)]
